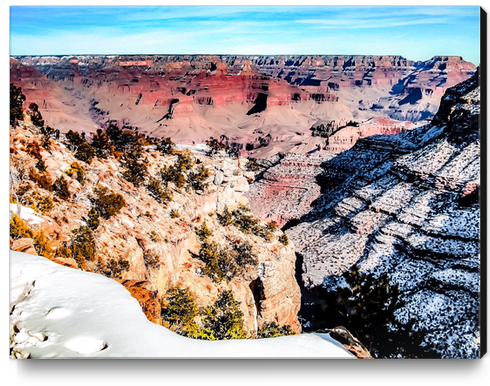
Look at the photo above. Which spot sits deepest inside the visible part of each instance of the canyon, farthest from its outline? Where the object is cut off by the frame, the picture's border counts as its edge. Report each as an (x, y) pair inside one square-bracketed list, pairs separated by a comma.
[(152, 246), (259, 104), (59, 312), (369, 164), (402, 208)]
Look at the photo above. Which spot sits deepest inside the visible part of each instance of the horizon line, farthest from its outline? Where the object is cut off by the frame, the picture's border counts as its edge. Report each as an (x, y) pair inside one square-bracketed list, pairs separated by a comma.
[(231, 54)]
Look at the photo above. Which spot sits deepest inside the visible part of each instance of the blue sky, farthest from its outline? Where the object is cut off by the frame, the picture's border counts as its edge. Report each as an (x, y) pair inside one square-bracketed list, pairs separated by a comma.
[(417, 33)]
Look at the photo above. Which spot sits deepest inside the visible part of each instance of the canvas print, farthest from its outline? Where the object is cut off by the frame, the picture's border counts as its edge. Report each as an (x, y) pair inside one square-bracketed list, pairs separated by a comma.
[(245, 182)]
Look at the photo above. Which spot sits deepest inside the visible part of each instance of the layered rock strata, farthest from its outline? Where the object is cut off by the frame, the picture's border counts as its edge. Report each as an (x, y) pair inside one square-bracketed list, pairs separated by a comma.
[(288, 184), (261, 104), (287, 190), (407, 206)]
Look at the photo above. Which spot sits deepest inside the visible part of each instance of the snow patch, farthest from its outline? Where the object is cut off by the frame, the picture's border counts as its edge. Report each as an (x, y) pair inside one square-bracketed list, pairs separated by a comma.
[(85, 345), (26, 214), (58, 313), (92, 315)]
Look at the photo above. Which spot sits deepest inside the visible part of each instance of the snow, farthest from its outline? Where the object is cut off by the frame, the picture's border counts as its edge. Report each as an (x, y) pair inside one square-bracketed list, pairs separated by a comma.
[(64, 312), (85, 345), (26, 214), (198, 148), (128, 223)]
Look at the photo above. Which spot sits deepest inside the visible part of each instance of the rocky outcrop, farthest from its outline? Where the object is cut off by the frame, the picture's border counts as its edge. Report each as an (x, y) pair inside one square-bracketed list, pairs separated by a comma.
[(346, 136), (407, 206), (289, 184), (350, 342), (286, 190), (263, 104), (25, 245), (145, 247), (147, 298)]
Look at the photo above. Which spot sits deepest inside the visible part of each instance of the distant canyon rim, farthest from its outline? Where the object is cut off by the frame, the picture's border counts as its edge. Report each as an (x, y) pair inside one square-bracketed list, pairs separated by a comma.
[(259, 104)]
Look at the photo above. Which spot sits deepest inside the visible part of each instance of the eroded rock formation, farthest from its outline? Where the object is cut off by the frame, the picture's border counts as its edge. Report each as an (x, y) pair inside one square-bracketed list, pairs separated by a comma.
[(407, 206), (150, 246), (286, 190), (261, 104)]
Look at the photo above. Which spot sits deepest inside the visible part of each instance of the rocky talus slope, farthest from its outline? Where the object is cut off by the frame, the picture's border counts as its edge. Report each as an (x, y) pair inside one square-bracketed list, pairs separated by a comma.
[(406, 207), (149, 246)]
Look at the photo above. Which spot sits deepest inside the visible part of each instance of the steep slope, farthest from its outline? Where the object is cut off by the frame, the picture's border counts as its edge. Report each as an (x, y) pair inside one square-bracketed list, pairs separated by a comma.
[(151, 243), (255, 102), (404, 208), (286, 188)]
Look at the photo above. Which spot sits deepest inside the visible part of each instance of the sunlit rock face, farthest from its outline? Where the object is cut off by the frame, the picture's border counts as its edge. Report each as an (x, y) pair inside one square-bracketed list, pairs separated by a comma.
[(261, 104), (159, 251), (287, 190), (407, 206)]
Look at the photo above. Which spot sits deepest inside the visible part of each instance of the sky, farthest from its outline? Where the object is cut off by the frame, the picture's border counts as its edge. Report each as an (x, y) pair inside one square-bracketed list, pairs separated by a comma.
[(416, 33)]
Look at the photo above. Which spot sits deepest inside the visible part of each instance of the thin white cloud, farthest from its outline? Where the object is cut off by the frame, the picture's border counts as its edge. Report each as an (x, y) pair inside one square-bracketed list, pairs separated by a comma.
[(400, 36), (161, 41), (209, 12), (376, 23), (459, 11)]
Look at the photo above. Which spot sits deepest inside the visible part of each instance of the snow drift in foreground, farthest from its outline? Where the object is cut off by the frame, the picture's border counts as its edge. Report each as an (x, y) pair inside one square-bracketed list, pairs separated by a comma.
[(63, 312)]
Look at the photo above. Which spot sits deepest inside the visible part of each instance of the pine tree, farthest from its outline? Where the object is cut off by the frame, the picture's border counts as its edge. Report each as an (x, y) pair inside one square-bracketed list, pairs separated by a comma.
[(223, 319), (60, 188), (185, 160), (107, 202), (36, 117), (40, 165), (42, 246), (273, 330), (76, 169), (215, 146), (179, 310), (83, 246), (17, 99), (93, 220), (135, 170), (18, 228), (227, 218), (100, 143), (197, 179), (159, 193), (284, 239), (166, 146), (204, 232), (172, 174)]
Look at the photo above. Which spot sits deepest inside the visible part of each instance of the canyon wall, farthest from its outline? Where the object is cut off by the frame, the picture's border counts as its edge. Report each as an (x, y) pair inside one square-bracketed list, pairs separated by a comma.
[(149, 246), (403, 206), (260, 104)]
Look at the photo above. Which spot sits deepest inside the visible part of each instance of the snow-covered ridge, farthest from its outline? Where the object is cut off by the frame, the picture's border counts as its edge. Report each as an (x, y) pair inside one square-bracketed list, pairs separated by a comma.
[(63, 312)]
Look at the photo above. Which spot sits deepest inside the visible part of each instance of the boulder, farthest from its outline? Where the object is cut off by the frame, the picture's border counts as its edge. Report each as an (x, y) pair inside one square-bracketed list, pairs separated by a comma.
[(146, 295), (25, 245), (218, 178), (241, 185)]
